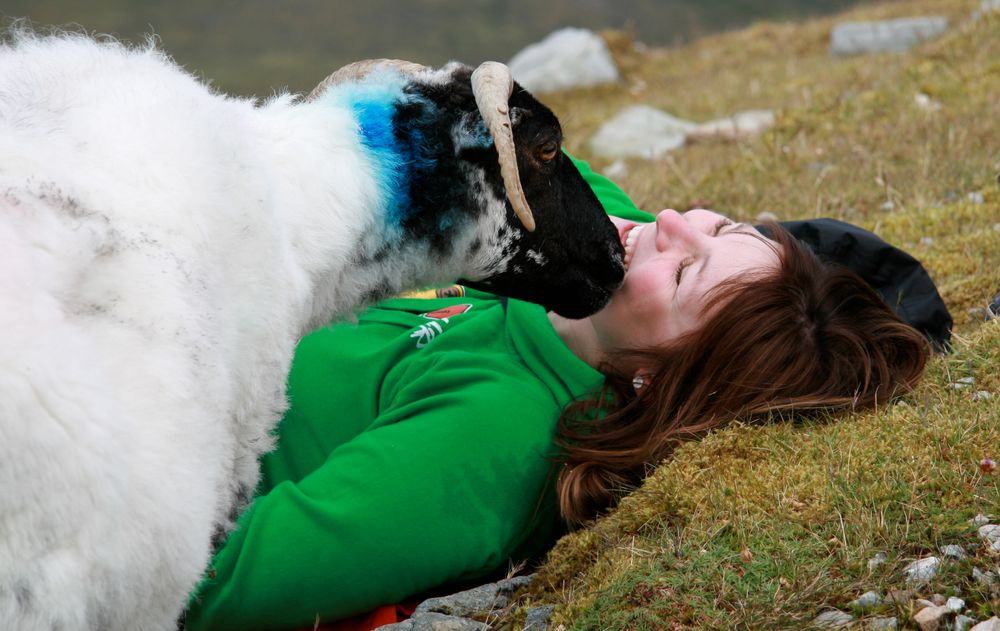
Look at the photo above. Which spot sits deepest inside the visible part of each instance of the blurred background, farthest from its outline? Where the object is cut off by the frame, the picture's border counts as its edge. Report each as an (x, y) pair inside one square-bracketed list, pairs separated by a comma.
[(254, 47)]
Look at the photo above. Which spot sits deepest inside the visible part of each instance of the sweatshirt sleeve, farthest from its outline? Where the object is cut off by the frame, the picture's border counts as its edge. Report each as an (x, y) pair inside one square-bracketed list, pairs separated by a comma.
[(448, 487)]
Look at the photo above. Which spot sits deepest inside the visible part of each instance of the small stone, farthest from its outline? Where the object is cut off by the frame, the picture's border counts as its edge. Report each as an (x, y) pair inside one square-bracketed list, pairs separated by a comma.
[(926, 241), (537, 618), (939, 600), (962, 623), (953, 551), (887, 206), (866, 600), (640, 131), (955, 604), (989, 532), (925, 102), (922, 570), (930, 618), (964, 382), (833, 619), (765, 216), (976, 197), (983, 578), (852, 38), (565, 59), (483, 598), (899, 596), (883, 624), (980, 520), (983, 395), (876, 560), (740, 126), (993, 624), (617, 170), (978, 314), (922, 603)]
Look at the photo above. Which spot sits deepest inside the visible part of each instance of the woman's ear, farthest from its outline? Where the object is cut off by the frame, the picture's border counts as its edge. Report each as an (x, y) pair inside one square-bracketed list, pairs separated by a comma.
[(641, 380)]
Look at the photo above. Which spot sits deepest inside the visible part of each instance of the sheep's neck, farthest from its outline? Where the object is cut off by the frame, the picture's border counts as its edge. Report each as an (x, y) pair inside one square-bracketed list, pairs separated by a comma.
[(424, 228)]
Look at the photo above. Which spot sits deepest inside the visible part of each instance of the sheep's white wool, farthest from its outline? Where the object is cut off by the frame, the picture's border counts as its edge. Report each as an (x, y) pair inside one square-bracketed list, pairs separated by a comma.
[(162, 249), (149, 290)]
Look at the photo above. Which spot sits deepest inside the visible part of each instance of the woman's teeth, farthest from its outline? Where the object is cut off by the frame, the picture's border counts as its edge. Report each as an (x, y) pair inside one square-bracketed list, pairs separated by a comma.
[(630, 239)]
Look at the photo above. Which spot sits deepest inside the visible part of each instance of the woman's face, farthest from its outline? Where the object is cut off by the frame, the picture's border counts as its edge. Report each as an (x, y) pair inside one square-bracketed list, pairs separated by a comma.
[(671, 266)]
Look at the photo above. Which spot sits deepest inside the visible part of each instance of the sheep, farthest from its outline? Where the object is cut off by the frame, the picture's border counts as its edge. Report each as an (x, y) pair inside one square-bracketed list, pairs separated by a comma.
[(163, 248)]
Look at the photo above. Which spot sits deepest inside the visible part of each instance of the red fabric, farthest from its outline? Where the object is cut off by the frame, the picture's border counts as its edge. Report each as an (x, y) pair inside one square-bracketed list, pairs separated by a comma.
[(386, 614)]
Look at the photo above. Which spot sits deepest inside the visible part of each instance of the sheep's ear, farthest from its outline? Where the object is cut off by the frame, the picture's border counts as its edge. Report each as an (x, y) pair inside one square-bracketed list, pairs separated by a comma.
[(518, 114)]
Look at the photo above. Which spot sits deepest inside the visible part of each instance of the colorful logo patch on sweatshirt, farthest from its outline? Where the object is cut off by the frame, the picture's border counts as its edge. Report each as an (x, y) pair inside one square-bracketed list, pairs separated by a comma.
[(447, 312)]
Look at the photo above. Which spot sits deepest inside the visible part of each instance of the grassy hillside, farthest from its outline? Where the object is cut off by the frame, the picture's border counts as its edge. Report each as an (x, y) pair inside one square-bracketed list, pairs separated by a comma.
[(767, 526)]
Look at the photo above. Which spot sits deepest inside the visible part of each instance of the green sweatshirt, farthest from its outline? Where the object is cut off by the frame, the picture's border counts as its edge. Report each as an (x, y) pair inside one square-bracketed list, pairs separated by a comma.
[(417, 452)]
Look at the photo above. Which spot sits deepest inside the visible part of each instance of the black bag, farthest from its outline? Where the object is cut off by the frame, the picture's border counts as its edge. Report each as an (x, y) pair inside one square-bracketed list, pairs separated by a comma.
[(898, 277)]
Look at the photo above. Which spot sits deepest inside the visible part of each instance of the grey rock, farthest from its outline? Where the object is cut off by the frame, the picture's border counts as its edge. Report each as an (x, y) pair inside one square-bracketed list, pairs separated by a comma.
[(963, 623), (938, 600), (976, 197), (537, 619), (922, 570), (739, 126), (980, 520), (978, 314), (989, 532), (986, 579), (640, 131), (993, 624), (852, 38), (982, 395), (617, 170), (955, 604), (833, 619), (876, 560), (481, 599), (883, 624), (567, 58), (866, 600), (441, 622), (887, 206), (952, 551), (926, 103)]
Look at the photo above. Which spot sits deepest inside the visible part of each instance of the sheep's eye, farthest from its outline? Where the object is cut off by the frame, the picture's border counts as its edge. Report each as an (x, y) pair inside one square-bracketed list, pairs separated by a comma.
[(547, 152)]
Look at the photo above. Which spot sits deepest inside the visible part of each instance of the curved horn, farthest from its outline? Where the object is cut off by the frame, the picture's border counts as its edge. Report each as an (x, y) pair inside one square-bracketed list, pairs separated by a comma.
[(360, 69), (492, 86)]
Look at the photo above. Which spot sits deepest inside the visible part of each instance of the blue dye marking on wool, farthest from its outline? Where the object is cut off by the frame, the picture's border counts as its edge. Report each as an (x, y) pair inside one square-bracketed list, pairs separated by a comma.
[(397, 157)]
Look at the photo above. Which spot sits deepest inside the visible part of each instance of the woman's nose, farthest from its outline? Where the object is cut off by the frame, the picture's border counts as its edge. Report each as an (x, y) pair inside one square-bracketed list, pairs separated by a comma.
[(673, 230)]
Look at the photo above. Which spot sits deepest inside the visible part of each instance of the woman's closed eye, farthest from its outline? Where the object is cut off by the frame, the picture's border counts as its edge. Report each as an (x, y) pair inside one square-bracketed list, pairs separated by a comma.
[(719, 226), (688, 261)]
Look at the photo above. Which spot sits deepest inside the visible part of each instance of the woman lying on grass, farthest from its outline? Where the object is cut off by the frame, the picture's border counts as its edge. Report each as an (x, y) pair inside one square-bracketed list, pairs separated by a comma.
[(438, 440)]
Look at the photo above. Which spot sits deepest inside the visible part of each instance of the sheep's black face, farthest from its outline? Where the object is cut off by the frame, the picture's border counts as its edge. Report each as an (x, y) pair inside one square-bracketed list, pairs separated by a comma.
[(573, 261)]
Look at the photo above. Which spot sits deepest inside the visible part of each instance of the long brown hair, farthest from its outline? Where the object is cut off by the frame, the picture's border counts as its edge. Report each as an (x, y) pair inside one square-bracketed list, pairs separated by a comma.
[(807, 336)]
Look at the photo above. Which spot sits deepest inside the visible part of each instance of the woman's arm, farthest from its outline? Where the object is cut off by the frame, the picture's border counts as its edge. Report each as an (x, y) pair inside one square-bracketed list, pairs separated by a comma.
[(448, 488)]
